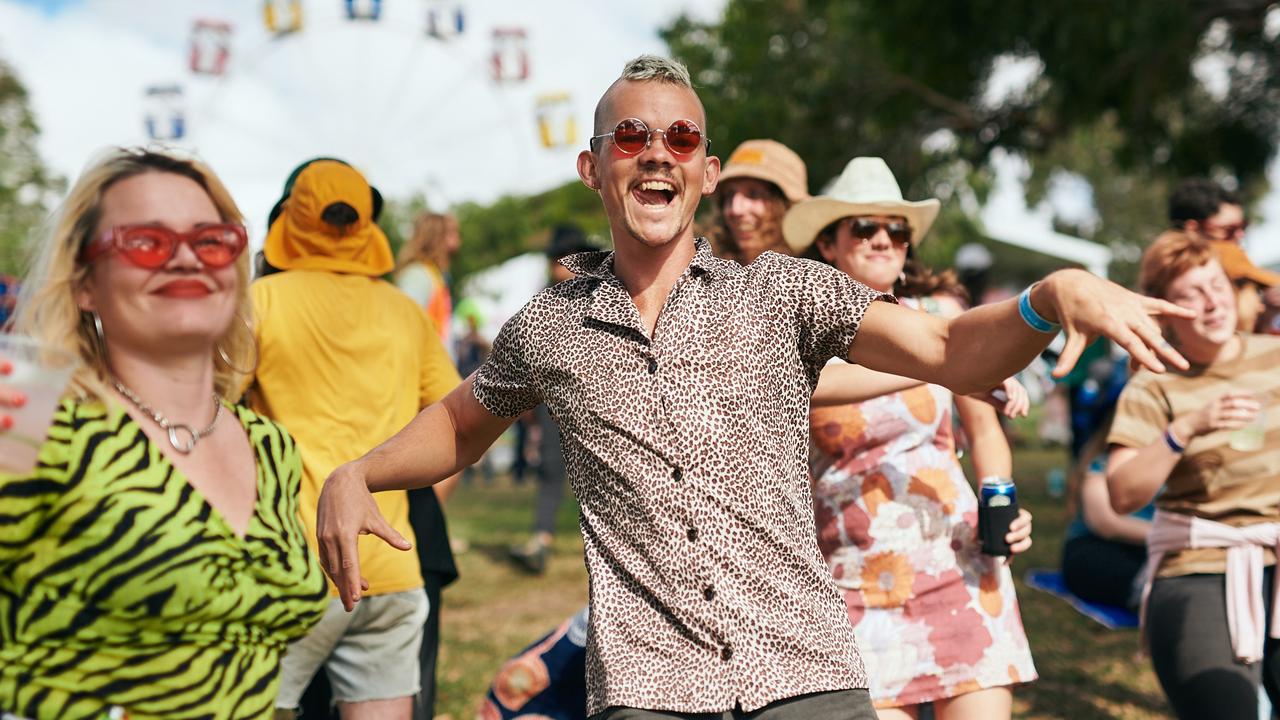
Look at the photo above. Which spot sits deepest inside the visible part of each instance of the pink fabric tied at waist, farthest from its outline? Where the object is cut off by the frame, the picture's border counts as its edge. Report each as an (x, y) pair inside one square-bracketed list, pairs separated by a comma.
[(1171, 532)]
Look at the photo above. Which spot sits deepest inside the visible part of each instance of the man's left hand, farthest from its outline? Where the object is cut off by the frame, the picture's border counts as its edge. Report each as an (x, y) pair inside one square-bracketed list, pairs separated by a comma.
[(1086, 306)]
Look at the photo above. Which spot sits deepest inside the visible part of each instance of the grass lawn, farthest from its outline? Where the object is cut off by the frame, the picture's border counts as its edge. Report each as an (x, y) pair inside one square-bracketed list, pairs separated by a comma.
[(494, 610)]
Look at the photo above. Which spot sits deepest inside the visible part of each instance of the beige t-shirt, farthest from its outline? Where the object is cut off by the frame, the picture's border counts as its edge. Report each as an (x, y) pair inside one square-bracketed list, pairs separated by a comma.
[(1212, 480)]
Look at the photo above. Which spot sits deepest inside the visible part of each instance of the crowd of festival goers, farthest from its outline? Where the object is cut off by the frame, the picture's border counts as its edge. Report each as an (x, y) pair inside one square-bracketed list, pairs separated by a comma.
[(761, 417)]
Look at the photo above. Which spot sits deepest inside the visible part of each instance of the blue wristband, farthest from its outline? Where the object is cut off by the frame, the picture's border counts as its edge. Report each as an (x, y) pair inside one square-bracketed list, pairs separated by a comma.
[(1031, 317), (1173, 443)]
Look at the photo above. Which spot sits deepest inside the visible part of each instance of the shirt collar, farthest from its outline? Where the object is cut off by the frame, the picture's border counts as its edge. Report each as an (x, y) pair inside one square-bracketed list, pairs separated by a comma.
[(599, 264)]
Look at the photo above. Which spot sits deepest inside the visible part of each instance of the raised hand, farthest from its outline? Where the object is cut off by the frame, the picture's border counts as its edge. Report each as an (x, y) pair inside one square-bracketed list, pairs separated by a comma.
[(1086, 306)]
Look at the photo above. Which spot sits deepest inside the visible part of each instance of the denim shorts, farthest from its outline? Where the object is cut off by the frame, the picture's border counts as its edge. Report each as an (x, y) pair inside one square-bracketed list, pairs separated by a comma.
[(370, 653)]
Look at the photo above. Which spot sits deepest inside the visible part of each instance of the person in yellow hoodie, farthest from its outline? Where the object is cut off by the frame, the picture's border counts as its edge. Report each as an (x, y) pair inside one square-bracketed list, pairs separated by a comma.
[(346, 360)]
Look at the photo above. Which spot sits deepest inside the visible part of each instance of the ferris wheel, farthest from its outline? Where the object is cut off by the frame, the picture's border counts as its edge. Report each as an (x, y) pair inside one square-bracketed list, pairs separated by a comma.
[(377, 83)]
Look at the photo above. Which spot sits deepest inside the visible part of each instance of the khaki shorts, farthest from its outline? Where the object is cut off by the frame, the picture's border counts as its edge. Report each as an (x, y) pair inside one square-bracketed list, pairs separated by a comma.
[(370, 653)]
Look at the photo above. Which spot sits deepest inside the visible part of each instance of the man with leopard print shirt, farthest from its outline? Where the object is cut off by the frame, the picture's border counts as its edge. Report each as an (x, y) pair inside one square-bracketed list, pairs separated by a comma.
[(681, 384)]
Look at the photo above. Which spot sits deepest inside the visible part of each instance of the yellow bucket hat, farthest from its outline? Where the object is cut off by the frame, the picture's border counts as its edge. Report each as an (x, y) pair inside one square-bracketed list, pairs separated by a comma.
[(326, 223)]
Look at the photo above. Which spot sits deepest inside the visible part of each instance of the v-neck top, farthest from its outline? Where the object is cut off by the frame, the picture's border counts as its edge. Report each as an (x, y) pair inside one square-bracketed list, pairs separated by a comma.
[(121, 586)]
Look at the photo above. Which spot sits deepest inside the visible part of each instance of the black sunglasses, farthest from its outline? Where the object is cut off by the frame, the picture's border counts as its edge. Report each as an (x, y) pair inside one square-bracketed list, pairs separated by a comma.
[(865, 228)]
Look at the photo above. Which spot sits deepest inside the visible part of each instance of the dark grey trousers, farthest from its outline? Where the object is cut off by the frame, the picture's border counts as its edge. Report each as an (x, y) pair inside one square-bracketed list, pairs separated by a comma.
[(834, 705), (1192, 655)]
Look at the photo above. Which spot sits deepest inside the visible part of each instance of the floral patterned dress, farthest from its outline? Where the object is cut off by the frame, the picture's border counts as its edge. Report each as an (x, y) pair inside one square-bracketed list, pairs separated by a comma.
[(896, 518)]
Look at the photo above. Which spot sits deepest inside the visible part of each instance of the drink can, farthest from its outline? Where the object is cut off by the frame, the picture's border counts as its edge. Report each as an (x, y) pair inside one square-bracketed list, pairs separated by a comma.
[(997, 492)]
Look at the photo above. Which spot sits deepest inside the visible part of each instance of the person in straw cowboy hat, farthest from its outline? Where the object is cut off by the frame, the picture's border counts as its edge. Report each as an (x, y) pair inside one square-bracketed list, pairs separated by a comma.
[(758, 185), (935, 619)]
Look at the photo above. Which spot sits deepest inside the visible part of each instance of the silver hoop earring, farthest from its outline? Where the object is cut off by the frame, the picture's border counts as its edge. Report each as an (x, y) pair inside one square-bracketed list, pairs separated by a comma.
[(222, 354), (101, 345), (902, 277)]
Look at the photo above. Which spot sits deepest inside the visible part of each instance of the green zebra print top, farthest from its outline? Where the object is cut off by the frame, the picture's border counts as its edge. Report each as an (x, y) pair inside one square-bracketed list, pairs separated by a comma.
[(121, 586)]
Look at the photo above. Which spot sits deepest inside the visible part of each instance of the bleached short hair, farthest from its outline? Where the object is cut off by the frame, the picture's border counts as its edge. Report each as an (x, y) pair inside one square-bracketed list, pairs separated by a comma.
[(656, 67), (646, 68)]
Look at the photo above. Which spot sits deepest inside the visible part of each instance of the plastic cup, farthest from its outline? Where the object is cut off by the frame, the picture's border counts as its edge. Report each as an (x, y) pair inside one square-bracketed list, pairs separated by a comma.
[(41, 373), (1251, 437)]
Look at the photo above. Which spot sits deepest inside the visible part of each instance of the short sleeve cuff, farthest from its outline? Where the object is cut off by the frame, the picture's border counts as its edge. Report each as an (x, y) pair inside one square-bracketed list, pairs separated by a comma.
[(864, 296), (501, 400)]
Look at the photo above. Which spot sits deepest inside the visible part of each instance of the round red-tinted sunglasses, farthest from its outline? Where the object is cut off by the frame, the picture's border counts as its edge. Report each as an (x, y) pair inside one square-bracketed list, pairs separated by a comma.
[(152, 246), (631, 136), (865, 228)]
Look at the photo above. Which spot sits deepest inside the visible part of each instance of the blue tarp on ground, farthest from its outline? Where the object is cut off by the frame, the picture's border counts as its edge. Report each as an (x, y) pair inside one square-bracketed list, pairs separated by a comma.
[(1109, 616)]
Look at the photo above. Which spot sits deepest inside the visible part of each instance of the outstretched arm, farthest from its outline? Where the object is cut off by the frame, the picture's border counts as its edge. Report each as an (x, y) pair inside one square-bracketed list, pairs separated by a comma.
[(843, 383), (978, 349), (440, 441)]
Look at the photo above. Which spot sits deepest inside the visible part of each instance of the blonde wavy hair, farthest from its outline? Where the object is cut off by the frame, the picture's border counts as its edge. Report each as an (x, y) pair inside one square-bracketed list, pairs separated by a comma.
[(427, 243), (47, 310)]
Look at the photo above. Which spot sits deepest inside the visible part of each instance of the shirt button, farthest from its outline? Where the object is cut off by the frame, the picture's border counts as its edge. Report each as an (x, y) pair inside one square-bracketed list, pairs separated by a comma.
[(653, 366), (693, 534), (725, 653), (677, 474), (710, 594)]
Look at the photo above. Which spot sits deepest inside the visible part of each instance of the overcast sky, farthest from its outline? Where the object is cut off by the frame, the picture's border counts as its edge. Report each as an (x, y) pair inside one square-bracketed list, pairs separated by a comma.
[(415, 114)]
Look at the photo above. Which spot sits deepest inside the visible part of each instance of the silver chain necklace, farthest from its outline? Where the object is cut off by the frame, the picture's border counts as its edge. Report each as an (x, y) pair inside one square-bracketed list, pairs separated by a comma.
[(176, 431)]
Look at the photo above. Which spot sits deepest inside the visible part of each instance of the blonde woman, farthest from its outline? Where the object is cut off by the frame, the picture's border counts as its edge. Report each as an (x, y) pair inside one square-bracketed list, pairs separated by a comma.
[(422, 269), (153, 561)]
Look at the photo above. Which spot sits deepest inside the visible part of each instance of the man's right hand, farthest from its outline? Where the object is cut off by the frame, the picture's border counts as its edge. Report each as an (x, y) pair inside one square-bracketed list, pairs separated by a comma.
[(346, 511)]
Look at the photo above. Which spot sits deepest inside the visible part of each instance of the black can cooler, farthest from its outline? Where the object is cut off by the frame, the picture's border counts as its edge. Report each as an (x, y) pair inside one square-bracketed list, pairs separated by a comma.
[(993, 525)]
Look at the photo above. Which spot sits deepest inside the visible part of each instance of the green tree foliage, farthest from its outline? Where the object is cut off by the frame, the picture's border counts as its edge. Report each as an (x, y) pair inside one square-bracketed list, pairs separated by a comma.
[(510, 226), (26, 185), (397, 219), (1116, 100)]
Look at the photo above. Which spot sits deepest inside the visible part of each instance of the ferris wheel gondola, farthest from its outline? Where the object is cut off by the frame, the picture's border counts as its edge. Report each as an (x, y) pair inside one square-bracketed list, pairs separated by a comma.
[(282, 17), (210, 47), (557, 126), (364, 9), (165, 114), (445, 20), (313, 91), (510, 55)]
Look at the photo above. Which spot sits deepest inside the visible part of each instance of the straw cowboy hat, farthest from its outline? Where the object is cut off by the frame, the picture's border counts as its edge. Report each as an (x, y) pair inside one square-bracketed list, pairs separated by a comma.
[(866, 187)]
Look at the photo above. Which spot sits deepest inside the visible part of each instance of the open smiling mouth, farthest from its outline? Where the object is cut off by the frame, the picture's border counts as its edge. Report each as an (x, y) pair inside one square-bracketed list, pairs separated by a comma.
[(654, 192)]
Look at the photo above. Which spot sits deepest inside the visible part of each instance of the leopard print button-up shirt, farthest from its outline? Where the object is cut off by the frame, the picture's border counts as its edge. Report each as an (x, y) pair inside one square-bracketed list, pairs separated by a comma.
[(687, 452)]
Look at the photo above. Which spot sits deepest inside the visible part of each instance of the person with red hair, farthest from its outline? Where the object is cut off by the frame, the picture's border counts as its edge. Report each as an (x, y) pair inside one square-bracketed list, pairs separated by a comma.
[(1204, 443)]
